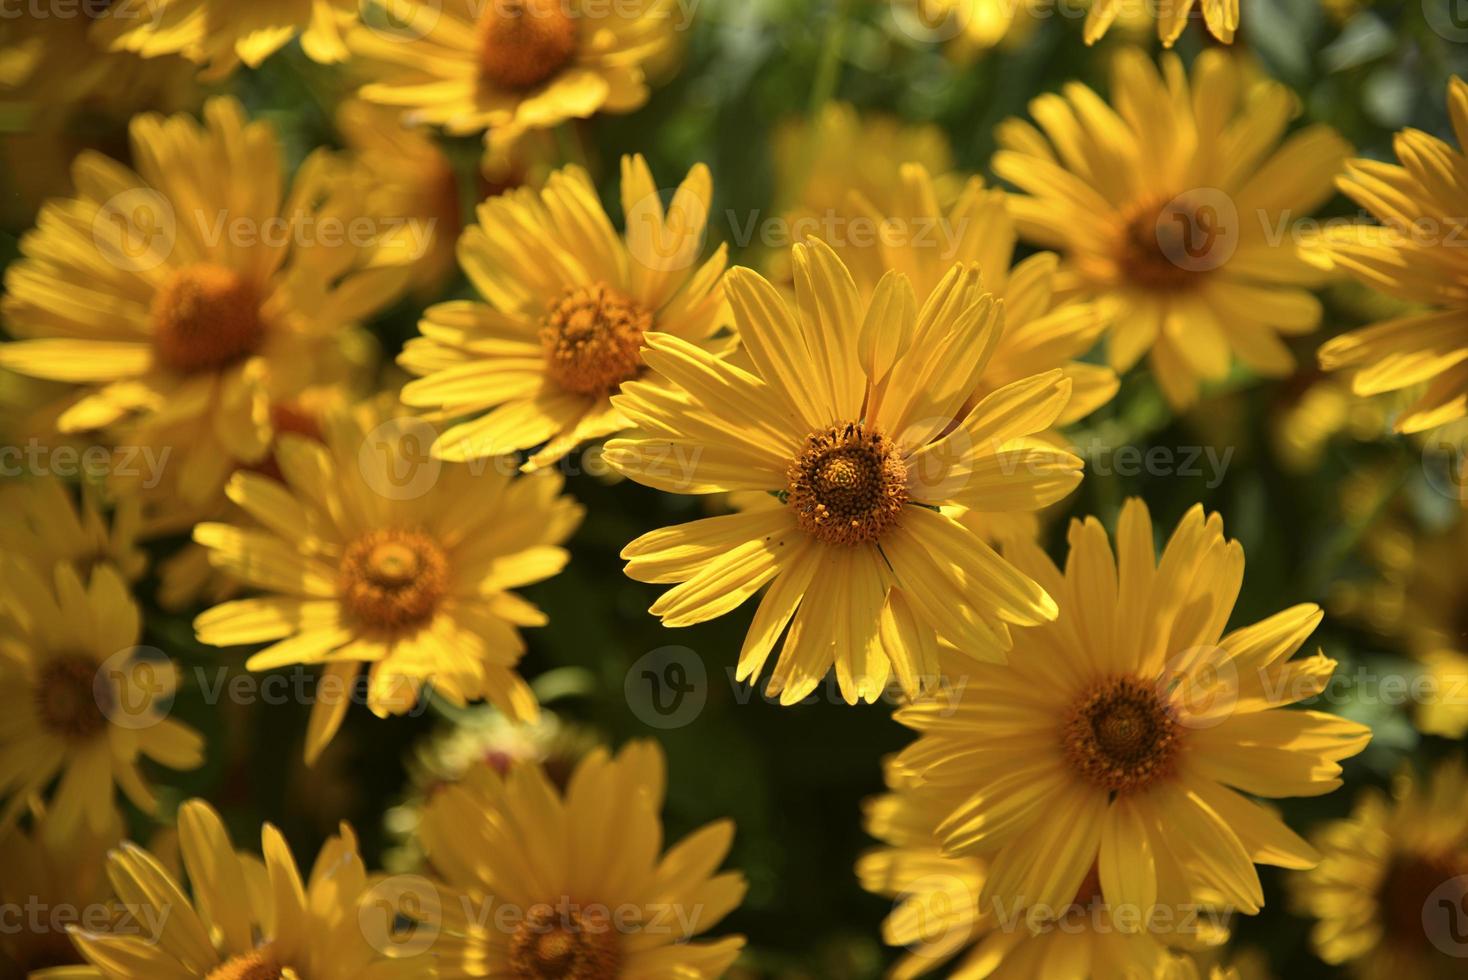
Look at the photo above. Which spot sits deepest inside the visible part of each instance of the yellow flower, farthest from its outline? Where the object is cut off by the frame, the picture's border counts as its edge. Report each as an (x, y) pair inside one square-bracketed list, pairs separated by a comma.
[(575, 883), (247, 919), (515, 65), (84, 706), (1166, 209), (47, 885), (1392, 883), (221, 34), (373, 553), (833, 174), (44, 525), (938, 916), (1418, 257), (1118, 735), (185, 299), (568, 304), (975, 25), (1221, 16), (853, 413)]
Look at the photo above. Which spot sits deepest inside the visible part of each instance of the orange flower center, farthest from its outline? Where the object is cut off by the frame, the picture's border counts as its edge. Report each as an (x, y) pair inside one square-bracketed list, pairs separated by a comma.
[(1410, 883), (205, 318), (524, 42), (569, 945), (848, 486), (393, 579), (592, 337), (69, 700), (1121, 736), (1171, 245), (257, 965)]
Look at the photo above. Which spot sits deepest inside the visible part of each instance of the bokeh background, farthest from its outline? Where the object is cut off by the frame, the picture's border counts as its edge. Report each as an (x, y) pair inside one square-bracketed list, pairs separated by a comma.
[(1328, 507)]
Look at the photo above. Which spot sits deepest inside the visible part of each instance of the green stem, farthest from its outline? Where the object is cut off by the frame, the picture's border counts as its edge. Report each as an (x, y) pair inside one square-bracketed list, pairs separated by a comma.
[(828, 69)]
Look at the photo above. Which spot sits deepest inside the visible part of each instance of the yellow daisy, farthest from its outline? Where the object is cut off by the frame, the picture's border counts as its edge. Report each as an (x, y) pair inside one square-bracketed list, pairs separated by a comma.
[(47, 885), (1124, 735), (85, 707), (515, 65), (46, 525), (373, 553), (1221, 17), (247, 919), (853, 413), (1417, 257), (577, 882), (835, 172), (186, 298), (568, 302), (938, 918), (1173, 211), (1388, 878), (220, 35)]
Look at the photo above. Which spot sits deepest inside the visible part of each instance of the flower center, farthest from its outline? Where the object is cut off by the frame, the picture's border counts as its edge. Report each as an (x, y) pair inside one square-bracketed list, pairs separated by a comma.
[(592, 337), (1414, 880), (205, 318), (524, 42), (257, 965), (1168, 246), (849, 484), (1121, 736), (69, 700), (564, 945), (392, 579)]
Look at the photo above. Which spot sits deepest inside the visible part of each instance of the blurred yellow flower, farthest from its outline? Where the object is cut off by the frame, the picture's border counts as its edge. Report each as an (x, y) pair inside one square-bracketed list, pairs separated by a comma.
[(514, 65), (545, 890), (854, 413), (186, 298), (48, 882), (1173, 211), (371, 552), (1221, 17), (568, 302), (1391, 889), (45, 525), (1121, 737), (1418, 257), (220, 35), (247, 919), (84, 706)]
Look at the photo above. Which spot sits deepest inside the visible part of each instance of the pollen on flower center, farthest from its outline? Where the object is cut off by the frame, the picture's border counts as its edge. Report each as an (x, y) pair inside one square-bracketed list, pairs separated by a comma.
[(393, 579), (257, 965), (1121, 736), (848, 485), (592, 337), (524, 42), (205, 318), (565, 944), (69, 701), (1171, 245)]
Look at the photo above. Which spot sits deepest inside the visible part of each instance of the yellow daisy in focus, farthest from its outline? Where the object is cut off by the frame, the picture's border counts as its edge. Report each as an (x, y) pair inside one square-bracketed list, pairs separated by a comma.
[(1172, 207), (47, 524), (1124, 735), (371, 552), (220, 35), (568, 302), (515, 65), (1220, 16), (84, 705), (1391, 889), (575, 884), (185, 299), (853, 413), (939, 920), (246, 919), (835, 172), (1416, 257), (44, 877)]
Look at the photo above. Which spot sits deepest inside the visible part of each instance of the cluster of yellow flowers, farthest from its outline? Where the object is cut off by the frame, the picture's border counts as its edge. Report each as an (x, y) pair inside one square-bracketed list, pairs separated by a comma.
[(885, 416)]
